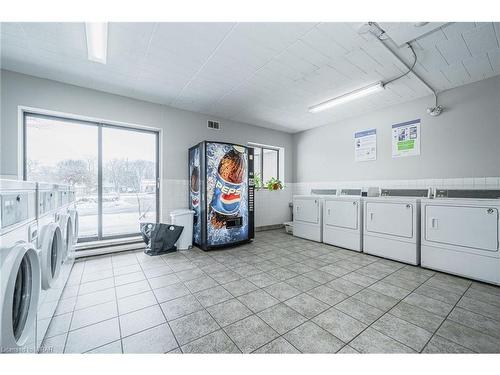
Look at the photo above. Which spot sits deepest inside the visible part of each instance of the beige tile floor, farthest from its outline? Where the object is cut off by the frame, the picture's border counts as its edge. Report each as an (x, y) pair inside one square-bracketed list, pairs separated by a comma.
[(279, 294)]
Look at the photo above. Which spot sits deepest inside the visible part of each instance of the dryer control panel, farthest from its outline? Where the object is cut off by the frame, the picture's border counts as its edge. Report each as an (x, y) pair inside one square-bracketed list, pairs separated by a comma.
[(417, 193), (467, 193), (351, 192)]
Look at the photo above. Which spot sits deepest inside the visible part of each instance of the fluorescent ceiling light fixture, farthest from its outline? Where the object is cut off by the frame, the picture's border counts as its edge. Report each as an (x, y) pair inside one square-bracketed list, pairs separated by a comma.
[(356, 94), (97, 41)]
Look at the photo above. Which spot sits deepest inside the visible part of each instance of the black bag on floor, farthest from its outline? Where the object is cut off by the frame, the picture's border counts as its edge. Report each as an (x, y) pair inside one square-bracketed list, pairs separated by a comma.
[(160, 238)]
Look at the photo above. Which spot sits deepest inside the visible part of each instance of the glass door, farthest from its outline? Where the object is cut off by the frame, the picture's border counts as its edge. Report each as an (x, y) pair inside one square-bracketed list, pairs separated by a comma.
[(63, 151), (129, 180), (113, 169)]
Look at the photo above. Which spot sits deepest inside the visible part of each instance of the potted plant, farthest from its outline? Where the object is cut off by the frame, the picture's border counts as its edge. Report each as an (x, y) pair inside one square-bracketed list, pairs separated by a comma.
[(274, 184)]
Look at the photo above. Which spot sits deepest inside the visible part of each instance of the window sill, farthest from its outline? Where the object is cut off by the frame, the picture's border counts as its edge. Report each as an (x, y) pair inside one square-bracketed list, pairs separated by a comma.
[(266, 189)]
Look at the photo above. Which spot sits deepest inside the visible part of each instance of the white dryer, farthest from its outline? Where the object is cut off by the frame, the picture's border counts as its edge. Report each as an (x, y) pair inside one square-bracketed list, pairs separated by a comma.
[(460, 233), (392, 224), (343, 219), (19, 267), (308, 214)]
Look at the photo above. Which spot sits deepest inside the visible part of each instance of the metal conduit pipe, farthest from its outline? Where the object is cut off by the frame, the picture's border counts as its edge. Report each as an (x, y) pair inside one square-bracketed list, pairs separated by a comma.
[(377, 32)]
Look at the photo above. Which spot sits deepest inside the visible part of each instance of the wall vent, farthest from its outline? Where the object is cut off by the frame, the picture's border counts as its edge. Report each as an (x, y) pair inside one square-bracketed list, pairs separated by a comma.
[(215, 125)]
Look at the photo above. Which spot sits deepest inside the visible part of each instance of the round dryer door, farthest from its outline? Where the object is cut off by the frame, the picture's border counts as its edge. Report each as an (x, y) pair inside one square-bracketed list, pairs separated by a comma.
[(66, 225), (20, 287), (75, 220), (51, 253)]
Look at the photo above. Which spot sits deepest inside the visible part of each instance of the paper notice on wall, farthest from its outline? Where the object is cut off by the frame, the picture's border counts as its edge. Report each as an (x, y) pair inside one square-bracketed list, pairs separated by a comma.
[(406, 139), (365, 145)]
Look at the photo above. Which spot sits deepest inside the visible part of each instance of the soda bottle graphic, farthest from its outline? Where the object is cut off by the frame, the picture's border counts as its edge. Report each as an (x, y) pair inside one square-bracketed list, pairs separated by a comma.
[(228, 187), (195, 186)]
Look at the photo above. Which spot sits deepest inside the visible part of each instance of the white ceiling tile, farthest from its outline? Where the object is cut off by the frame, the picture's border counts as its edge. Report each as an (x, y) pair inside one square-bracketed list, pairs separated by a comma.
[(129, 40), (382, 56), (456, 73), (481, 39), (455, 29), (308, 53), (363, 60), (430, 40), (11, 28), (321, 42), (437, 80), (244, 52), (295, 62), (267, 74), (494, 58), (276, 36), (454, 50), (283, 70), (415, 85), (478, 67), (386, 72), (57, 31), (330, 76), (404, 32), (189, 43), (345, 67), (9, 44), (431, 59), (56, 36), (138, 30), (342, 34), (401, 89)]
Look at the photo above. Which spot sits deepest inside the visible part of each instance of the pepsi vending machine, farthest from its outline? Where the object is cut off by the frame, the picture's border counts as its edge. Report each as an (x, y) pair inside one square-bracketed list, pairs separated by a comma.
[(221, 193)]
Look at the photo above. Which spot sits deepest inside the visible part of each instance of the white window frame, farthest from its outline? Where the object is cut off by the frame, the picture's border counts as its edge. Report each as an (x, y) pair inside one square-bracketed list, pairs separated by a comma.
[(280, 161), (22, 110)]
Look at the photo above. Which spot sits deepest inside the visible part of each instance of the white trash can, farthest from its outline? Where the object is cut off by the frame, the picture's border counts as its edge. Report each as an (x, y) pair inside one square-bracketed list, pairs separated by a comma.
[(183, 217)]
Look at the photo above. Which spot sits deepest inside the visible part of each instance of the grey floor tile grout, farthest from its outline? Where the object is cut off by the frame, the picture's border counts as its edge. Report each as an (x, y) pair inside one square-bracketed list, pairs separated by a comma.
[(158, 304), (307, 319), (478, 312), (73, 310), (253, 314), (333, 306), (446, 318), (103, 345), (472, 329), (216, 322), (262, 252), (389, 312), (463, 325), (117, 310), (386, 312), (220, 327)]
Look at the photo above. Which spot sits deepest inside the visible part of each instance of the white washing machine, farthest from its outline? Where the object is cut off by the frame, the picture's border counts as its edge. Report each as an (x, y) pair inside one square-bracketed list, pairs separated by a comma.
[(343, 219), (49, 239), (308, 214), (19, 267), (65, 221), (51, 252), (460, 233), (392, 224), (73, 213)]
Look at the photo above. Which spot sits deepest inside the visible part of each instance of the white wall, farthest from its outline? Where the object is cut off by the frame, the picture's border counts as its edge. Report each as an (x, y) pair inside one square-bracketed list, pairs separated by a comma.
[(181, 129), (271, 207), (461, 144)]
